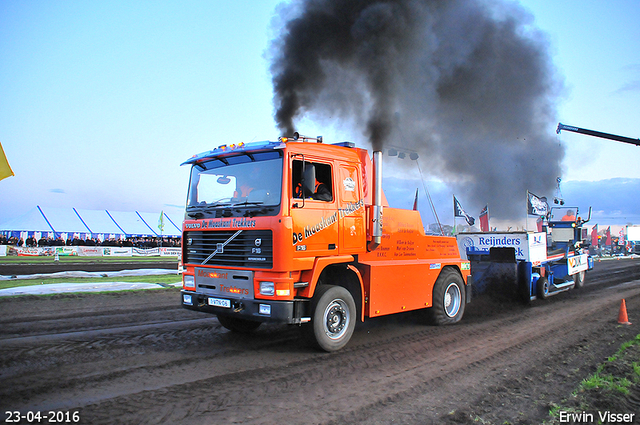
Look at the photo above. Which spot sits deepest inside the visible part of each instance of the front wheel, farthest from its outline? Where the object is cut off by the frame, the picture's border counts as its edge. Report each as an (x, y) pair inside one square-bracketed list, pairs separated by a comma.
[(543, 288), (235, 324), (333, 317), (448, 298)]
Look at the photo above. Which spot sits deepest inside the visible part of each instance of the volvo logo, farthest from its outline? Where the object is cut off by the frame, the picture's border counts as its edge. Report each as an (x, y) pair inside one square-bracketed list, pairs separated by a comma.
[(258, 242)]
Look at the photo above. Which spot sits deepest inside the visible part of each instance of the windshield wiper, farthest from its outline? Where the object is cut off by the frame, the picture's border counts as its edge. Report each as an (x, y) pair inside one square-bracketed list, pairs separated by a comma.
[(196, 211), (206, 206), (248, 203), (195, 214)]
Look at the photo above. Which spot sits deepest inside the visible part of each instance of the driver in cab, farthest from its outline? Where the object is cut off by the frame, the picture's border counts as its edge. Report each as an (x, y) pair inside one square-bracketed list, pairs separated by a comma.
[(321, 192)]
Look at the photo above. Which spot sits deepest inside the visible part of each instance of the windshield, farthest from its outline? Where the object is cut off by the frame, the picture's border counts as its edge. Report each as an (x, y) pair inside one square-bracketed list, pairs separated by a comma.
[(245, 184)]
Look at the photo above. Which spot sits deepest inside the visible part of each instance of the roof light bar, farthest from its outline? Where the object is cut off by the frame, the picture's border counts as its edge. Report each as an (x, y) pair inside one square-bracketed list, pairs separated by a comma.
[(297, 137)]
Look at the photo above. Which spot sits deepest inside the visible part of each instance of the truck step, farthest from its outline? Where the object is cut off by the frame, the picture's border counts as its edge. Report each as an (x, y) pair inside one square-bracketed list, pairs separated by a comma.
[(556, 288)]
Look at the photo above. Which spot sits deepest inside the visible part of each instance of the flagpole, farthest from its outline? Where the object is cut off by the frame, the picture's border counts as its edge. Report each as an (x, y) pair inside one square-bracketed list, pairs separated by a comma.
[(526, 217), (433, 208), (454, 215)]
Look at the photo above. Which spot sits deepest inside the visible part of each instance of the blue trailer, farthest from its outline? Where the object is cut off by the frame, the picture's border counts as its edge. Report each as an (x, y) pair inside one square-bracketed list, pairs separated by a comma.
[(530, 265)]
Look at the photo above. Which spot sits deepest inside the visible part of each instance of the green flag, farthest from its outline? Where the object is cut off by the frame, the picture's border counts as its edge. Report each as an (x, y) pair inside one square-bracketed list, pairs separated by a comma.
[(161, 222)]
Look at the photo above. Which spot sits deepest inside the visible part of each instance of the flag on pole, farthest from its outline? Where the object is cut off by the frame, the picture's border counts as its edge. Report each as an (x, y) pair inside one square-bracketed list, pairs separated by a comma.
[(459, 212), (415, 202), (594, 236), (536, 205), (161, 222), (484, 219), (5, 168), (608, 240), (621, 237)]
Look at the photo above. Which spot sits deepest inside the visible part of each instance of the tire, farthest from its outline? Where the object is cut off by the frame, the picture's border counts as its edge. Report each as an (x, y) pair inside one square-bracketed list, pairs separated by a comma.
[(542, 287), (578, 279), (448, 298), (235, 324), (333, 318)]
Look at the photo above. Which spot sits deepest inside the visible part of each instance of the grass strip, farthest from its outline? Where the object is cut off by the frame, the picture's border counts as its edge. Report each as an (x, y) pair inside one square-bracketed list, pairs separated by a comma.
[(161, 279), (608, 394)]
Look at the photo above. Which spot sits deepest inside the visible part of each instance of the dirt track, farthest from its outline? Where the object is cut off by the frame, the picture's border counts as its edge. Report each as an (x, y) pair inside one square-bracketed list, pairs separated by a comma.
[(139, 357)]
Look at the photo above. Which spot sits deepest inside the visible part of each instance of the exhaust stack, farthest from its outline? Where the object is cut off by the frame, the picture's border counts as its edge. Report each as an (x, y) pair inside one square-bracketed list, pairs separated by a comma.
[(377, 201)]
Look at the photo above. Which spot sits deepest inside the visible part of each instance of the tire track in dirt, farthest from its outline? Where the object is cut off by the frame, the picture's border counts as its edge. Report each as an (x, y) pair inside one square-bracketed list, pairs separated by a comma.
[(398, 366), (419, 404), (65, 315), (127, 359), (115, 334)]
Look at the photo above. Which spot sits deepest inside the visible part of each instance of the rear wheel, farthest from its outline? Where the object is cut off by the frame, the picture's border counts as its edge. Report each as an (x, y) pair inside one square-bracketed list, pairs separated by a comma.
[(236, 324), (333, 317), (448, 298)]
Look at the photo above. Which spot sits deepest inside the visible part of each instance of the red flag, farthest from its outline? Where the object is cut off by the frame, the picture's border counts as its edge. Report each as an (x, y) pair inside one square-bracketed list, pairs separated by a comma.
[(539, 224), (415, 202), (594, 236), (484, 219), (608, 240)]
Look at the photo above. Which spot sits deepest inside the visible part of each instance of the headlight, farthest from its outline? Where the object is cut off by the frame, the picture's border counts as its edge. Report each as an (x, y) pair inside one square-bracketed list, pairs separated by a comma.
[(189, 282), (267, 288)]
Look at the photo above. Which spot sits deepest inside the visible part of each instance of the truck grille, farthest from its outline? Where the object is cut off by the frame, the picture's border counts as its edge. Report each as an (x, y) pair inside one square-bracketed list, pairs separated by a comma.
[(250, 248)]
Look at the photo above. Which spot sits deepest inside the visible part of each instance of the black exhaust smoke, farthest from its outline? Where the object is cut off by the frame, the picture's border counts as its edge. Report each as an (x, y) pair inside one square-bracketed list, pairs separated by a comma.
[(469, 84)]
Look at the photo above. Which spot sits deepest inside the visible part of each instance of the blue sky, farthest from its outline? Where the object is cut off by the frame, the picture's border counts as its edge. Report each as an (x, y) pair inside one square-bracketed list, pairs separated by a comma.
[(101, 101), (596, 46)]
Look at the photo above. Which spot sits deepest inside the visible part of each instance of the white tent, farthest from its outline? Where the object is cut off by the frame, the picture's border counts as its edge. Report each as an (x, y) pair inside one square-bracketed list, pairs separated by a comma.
[(60, 221), (64, 220), (132, 223), (32, 221), (100, 220)]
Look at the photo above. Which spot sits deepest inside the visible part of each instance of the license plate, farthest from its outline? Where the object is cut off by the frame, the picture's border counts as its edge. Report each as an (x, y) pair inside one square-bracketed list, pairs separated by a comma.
[(217, 302)]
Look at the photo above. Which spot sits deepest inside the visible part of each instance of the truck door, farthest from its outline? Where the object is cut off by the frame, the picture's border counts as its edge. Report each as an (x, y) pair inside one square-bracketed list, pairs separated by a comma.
[(350, 209), (314, 210)]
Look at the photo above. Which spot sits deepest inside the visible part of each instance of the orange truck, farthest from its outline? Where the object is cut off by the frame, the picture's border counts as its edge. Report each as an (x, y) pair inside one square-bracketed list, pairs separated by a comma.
[(292, 232)]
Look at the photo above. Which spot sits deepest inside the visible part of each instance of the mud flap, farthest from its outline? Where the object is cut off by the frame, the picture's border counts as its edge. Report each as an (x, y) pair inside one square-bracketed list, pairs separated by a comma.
[(502, 274), (524, 281), (469, 289)]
